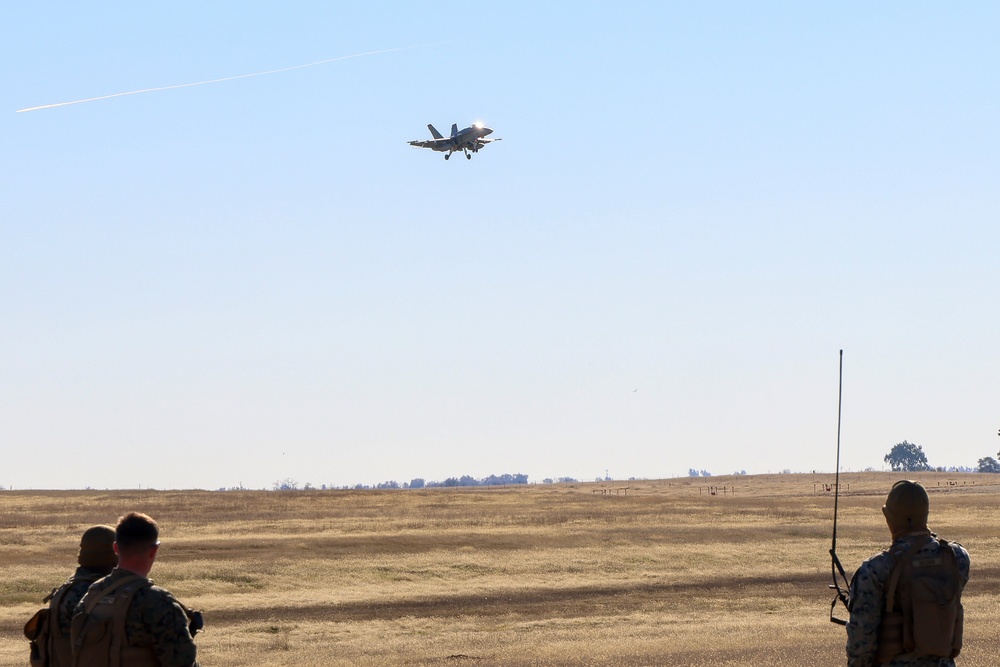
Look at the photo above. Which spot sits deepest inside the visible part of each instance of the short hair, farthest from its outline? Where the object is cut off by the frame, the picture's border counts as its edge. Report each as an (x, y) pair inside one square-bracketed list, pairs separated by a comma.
[(136, 530)]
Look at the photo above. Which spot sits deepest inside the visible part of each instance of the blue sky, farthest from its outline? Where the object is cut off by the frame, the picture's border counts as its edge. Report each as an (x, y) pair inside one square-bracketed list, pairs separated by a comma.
[(693, 208)]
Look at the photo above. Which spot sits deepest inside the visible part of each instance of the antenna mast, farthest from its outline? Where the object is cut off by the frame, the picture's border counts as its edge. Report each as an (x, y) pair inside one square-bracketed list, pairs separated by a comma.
[(843, 592)]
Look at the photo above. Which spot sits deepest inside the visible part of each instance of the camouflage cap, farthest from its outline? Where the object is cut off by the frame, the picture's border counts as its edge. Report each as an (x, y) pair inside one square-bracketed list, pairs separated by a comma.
[(907, 505), (97, 547)]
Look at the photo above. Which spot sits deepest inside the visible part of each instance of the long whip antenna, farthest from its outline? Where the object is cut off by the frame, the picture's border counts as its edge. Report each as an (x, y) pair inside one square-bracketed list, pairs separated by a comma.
[(843, 591), (836, 484)]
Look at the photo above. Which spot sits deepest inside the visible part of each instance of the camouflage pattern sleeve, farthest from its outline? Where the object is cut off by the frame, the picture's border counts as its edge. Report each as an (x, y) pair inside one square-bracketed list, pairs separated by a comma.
[(866, 614), (160, 621), (67, 606), (963, 559)]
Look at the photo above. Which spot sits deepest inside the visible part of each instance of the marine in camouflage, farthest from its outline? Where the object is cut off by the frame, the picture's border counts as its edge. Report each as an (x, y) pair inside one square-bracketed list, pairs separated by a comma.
[(868, 599), (157, 620), (96, 558)]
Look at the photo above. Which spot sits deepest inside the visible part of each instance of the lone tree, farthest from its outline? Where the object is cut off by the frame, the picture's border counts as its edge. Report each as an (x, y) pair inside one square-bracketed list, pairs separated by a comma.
[(988, 464), (907, 457)]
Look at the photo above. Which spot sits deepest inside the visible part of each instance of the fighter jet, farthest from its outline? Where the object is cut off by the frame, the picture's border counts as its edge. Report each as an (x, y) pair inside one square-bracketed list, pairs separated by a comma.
[(470, 139)]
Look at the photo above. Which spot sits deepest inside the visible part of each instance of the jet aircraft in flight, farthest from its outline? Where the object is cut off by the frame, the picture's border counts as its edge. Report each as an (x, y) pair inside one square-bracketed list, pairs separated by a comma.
[(471, 138)]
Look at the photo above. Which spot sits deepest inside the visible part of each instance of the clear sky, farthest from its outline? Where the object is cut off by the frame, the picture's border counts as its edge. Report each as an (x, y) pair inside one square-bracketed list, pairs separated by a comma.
[(693, 208)]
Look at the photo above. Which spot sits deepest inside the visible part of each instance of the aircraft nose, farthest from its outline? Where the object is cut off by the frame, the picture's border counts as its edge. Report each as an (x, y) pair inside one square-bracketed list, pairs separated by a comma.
[(486, 131)]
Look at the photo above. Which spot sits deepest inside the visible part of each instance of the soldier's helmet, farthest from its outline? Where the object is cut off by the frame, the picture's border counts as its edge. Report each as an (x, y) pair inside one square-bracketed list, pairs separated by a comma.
[(97, 547), (907, 505)]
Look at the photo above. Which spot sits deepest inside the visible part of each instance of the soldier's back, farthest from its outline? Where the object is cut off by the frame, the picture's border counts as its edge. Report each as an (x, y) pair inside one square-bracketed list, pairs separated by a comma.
[(155, 626), (868, 598)]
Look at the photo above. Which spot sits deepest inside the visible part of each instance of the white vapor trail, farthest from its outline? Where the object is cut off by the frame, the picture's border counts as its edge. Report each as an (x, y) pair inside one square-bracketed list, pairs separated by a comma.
[(203, 83)]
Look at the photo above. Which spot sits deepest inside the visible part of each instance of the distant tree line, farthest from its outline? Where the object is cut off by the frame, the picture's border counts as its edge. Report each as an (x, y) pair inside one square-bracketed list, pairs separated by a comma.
[(506, 479), (909, 457), (903, 457), (493, 480)]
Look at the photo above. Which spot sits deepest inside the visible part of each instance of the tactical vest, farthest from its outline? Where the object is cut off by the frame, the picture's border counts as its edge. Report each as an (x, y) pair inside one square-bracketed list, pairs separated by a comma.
[(98, 632), (49, 646), (922, 614)]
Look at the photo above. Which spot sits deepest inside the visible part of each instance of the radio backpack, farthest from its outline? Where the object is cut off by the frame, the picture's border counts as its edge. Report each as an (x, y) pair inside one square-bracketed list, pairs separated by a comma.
[(98, 631), (923, 604)]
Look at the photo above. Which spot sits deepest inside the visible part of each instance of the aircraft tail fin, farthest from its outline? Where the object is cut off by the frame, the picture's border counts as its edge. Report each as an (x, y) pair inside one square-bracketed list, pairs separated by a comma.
[(454, 129), (434, 132)]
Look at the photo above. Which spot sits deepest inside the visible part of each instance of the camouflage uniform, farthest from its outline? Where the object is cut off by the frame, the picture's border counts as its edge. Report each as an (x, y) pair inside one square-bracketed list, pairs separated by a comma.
[(157, 620), (81, 581), (868, 601)]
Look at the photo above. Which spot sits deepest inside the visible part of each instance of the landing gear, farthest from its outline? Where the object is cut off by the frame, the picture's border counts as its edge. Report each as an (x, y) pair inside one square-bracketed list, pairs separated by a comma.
[(447, 155), (468, 157)]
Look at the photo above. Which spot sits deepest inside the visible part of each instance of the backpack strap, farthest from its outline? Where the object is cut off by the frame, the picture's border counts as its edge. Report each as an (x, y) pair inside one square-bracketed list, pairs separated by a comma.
[(56, 598), (897, 569), (890, 587), (122, 606), (54, 591), (94, 599)]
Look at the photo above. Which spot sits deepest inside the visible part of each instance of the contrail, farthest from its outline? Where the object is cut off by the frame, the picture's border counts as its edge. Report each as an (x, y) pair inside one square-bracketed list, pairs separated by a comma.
[(228, 78)]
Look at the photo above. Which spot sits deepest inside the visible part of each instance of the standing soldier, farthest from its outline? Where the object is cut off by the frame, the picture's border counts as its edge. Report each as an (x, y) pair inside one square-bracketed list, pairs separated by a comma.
[(124, 620), (906, 602), (96, 559)]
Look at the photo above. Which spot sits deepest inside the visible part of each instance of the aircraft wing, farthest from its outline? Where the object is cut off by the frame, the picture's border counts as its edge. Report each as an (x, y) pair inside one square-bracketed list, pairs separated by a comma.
[(430, 143)]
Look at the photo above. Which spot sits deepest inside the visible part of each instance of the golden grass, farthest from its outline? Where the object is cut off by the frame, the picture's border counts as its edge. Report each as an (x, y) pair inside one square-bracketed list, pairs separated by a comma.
[(539, 575)]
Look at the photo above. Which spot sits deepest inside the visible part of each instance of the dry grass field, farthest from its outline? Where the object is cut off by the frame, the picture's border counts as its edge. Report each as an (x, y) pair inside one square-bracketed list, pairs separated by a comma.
[(577, 574)]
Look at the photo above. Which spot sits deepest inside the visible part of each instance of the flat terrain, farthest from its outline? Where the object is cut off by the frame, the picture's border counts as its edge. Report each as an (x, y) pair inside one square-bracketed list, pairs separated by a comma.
[(665, 573)]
